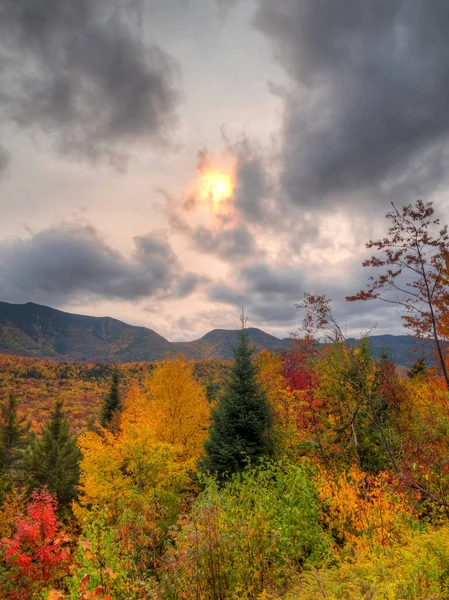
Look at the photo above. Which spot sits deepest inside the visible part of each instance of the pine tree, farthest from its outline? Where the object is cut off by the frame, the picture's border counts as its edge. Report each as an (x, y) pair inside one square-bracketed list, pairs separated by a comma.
[(13, 432), (53, 458), (418, 369), (241, 428), (112, 404)]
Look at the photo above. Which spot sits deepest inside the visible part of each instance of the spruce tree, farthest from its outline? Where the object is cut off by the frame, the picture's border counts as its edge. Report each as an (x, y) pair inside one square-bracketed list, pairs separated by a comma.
[(53, 458), (112, 404), (13, 433), (241, 427), (418, 369)]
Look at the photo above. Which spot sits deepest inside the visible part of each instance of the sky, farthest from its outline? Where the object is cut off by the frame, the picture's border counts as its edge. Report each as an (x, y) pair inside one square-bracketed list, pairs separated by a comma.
[(166, 162)]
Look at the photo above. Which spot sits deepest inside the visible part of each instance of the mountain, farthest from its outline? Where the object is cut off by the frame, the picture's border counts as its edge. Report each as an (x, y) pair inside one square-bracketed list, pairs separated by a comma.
[(43, 332), (34, 330), (401, 349)]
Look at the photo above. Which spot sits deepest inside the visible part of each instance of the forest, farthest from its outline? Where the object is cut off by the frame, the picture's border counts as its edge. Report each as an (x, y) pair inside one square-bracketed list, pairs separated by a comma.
[(322, 472)]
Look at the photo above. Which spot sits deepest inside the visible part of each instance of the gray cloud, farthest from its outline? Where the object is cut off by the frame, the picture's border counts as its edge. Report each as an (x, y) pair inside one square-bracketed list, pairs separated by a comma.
[(270, 293), (69, 262), (371, 104), (253, 192), (267, 292), (188, 283), (220, 292), (4, 159), (80, 73), (263, 279), (229, 244), (260, 308)]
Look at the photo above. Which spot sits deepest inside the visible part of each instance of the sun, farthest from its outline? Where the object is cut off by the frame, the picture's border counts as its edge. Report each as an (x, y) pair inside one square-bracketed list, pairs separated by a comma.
[(215, 187)]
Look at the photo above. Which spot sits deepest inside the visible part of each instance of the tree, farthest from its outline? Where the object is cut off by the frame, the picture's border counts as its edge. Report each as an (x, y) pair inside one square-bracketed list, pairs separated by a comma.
[(13, 432), (349, 375), (242, 421), (135, 482), (179, 407), (413, 261), (38, 554), (418, 369), (53, 459), (112, 404)]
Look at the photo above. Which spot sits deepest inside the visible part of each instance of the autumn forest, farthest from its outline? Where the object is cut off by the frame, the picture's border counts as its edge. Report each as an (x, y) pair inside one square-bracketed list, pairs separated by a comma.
[(321, 472)]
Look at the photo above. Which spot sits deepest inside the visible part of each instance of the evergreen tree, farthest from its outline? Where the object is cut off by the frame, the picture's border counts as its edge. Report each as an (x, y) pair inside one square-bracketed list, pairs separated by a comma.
[(241, 427), (418, 369), (13, 433), (53, 458), (112, 404)]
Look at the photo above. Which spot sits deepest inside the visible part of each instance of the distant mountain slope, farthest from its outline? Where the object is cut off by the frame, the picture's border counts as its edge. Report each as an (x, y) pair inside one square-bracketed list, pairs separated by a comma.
[(34, 330), (44, 332), (401, 349)]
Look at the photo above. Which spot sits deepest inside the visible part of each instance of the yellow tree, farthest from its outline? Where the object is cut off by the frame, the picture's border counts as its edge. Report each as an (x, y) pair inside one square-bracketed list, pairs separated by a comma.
[(131, 467), (131, 489), (179, 408)]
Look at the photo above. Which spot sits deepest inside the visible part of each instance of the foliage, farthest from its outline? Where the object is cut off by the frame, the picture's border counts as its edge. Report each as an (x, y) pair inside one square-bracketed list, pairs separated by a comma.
[(53, 458), (362, 511), (247, 536), (417, 568), (241, 428), (413, 249), (13, 432), (418, 368), (37, 555), (105, 567), (37, 383), (179, 408), (112, 404), (138, 482)]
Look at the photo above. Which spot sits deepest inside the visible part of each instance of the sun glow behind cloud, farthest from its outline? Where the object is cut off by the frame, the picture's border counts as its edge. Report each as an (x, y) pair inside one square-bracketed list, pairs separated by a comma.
[(215, 188), (211, 191)]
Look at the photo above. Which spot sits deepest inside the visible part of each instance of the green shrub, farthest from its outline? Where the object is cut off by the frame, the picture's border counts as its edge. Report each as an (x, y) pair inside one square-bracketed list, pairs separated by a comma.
[(253, 534)]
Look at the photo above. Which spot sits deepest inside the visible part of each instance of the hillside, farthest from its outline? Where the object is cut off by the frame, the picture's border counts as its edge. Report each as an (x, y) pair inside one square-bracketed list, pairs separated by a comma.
[(42, 332), (37, 382)]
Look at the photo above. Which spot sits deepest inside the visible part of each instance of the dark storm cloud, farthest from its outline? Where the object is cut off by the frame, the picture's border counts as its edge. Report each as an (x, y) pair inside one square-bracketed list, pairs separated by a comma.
[(72, 261), (79, 72), (370, 109)]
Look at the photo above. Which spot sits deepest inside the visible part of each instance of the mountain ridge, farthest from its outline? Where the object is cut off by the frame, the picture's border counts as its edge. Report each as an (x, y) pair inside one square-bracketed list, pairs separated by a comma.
[(43, 332)]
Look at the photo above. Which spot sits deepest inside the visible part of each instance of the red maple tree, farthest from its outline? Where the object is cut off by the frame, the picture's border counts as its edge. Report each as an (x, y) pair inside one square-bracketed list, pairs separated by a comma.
[(37, 554)]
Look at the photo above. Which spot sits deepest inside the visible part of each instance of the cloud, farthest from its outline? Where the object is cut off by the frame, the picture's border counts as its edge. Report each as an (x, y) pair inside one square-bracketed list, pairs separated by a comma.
[(370, 107), (4, 160), (188, 283), (263, 279), (253, 192), (268, 293), (70, 262), (226, 294), (80, 73), (228, 244)]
